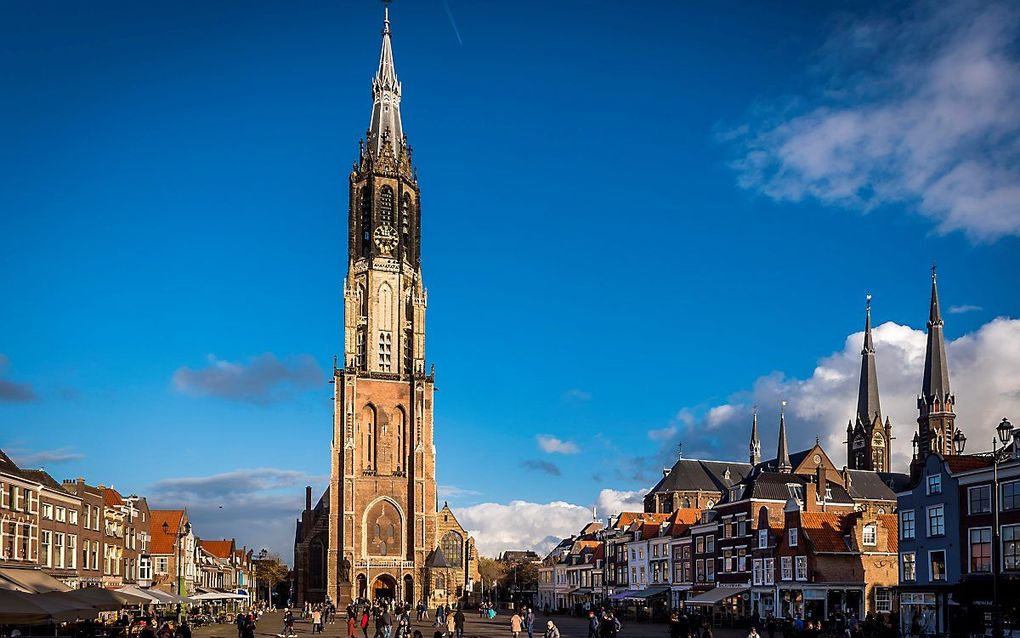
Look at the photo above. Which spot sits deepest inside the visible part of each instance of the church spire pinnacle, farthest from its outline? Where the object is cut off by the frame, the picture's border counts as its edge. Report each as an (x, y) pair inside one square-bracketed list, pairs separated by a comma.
[(936, 365), (754, 447), (868, 406), (783, 451), (386, 124)]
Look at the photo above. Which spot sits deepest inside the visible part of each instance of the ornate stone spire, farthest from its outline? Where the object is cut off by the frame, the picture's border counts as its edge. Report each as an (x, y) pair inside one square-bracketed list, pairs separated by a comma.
[(754, 447), (867, 394), (935, 386), (783, 453), (386, 124)]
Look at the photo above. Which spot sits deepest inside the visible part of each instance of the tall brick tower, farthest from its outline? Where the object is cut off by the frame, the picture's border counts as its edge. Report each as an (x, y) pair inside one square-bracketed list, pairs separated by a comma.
[(382, 493)]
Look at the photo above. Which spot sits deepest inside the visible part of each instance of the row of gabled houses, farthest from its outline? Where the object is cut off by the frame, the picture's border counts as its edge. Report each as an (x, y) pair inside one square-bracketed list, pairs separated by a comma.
[(88, 535), (935, 551), (810, 540)]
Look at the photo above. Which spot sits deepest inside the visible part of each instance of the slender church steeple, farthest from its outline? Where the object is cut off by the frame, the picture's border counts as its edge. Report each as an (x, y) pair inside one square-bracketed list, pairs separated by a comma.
[(783, 451), (385, 124), (868, 445), (754, 447), (936, 421)]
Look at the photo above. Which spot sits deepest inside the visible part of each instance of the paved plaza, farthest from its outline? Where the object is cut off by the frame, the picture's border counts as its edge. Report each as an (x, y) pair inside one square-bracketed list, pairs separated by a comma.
[(570, 627)]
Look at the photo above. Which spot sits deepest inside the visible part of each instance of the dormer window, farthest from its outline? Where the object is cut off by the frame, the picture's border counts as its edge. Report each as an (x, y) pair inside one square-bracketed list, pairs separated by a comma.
[(870, 535), (795, 490)]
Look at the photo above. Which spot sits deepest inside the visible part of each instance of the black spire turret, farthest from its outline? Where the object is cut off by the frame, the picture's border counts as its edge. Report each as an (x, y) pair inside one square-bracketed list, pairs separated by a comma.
[(754, 447), (868, 406), (783, 452)]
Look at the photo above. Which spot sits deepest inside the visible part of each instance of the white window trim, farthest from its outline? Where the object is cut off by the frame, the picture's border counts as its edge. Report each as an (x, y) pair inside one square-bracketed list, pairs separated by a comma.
[(874, 531), (931, 575), (903, 577), (927, 521), (927, 483), (902, 527), (792, 536)]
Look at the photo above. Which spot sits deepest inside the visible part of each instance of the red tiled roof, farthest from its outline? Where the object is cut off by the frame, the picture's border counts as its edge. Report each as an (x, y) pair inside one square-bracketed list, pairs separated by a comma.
[(600, 552), (682, 519), (112, 498), (966, 463), (825, 530), (219, 549), (891, 523), (164, 543), (649, 530)]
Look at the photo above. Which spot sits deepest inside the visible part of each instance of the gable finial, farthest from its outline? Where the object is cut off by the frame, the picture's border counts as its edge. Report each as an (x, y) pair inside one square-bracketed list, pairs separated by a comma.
[(680, 450)]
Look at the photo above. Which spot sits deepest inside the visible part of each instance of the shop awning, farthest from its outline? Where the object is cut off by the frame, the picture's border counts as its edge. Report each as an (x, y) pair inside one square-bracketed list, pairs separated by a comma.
[(32, 581), (17, 607), (648, 592), (621, 595), (713, 596), (135, 590)]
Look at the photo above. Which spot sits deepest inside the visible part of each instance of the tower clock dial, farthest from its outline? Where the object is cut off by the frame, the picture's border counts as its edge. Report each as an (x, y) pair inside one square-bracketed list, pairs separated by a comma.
[(385, 238)]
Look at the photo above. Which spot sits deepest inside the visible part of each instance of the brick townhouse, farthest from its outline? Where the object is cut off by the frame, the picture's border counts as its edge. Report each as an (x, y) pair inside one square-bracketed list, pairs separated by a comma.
[(59, 528), (90, 532), (19, 516)]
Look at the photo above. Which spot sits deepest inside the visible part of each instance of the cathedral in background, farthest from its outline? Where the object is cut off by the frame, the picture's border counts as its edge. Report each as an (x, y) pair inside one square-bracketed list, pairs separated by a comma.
[(376, 532)]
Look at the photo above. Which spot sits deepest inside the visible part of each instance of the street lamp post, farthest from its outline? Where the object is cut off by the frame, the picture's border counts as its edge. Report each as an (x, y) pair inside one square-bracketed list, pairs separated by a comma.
[(1003, 430), (179, 547)]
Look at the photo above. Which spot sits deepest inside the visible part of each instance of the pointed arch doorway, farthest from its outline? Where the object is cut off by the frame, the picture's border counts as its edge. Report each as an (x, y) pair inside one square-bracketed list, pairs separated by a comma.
[(384, 587)]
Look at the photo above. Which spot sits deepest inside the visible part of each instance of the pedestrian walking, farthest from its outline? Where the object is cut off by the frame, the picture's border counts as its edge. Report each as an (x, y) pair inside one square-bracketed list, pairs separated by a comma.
[(516, 623), (529, 622), (316, 621), (551, 630), (593, 625), (451, 625), (458, 622)]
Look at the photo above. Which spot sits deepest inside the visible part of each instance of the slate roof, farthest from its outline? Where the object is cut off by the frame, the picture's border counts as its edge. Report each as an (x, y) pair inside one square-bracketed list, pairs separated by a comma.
[(695, 475), (795, 460), (772, 486), (876, 485), (7, 465), (42, 477)]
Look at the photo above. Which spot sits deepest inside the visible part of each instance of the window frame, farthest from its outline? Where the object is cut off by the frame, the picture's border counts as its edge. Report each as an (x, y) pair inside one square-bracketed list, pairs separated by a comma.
[(931, 566), (792, 537), (970, 549), (933, 484), (941, 507), (903, 524), (903, 567), (970, 499)]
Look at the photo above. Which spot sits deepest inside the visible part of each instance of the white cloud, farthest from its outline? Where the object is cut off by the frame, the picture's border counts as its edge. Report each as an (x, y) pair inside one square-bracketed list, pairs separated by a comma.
[(452, 491), (958, 310), (984, 369), (553, 445), (498, 527), (663, 434), (933, 122), (263, 379), (30, 458), (611, 502)]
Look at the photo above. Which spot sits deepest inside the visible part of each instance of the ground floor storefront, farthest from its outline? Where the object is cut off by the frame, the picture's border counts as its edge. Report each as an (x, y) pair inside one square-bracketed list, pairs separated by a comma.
[(820, 601)]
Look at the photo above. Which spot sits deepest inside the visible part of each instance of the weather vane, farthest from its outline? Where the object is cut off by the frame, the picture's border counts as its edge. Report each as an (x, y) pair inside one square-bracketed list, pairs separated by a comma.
[(680, 450)]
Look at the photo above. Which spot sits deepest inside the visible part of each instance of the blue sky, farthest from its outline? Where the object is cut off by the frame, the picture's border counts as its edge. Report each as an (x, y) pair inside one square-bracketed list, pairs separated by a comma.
[(639, 219)]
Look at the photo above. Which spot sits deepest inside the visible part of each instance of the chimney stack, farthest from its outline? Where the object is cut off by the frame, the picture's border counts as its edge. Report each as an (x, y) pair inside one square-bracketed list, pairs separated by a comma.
[(308, 498)]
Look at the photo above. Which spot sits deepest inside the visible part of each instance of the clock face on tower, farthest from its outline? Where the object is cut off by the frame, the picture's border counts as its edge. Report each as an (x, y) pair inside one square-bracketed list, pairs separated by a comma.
[(385, 238)]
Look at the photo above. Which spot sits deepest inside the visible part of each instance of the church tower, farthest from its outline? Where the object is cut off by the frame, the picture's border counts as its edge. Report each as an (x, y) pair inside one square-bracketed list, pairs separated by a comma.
[(868, 439), (936, 421), (754, 445), (382, 492)]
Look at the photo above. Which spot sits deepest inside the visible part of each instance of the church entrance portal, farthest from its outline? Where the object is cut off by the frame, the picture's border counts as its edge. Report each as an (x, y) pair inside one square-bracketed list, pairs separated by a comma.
[(384, 587)]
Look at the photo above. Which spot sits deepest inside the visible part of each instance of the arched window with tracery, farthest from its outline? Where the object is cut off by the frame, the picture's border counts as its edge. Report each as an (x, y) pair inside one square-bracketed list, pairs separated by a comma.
[(386, 205), (878, 452), (405, 222), (453, 548), (383, 528), (400, 451)]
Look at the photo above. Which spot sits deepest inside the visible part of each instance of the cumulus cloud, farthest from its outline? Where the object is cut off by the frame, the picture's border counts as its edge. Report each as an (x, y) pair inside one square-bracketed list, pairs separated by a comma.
[(984, 369), (12, 391), (263, 379), (553, 445), (611, 502), (30, 458), (922, 109), (256, 506), (541, 466), (498, 527)]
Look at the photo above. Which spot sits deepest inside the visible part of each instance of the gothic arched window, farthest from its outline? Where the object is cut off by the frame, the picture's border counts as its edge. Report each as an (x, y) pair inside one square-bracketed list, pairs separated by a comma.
[(386, 205), (384, 529), (453, 547), (368, 425), (687, 502), (405, 220)]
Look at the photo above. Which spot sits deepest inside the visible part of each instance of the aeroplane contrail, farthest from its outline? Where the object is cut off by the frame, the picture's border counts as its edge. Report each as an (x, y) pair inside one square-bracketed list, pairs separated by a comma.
[(453, 23)]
